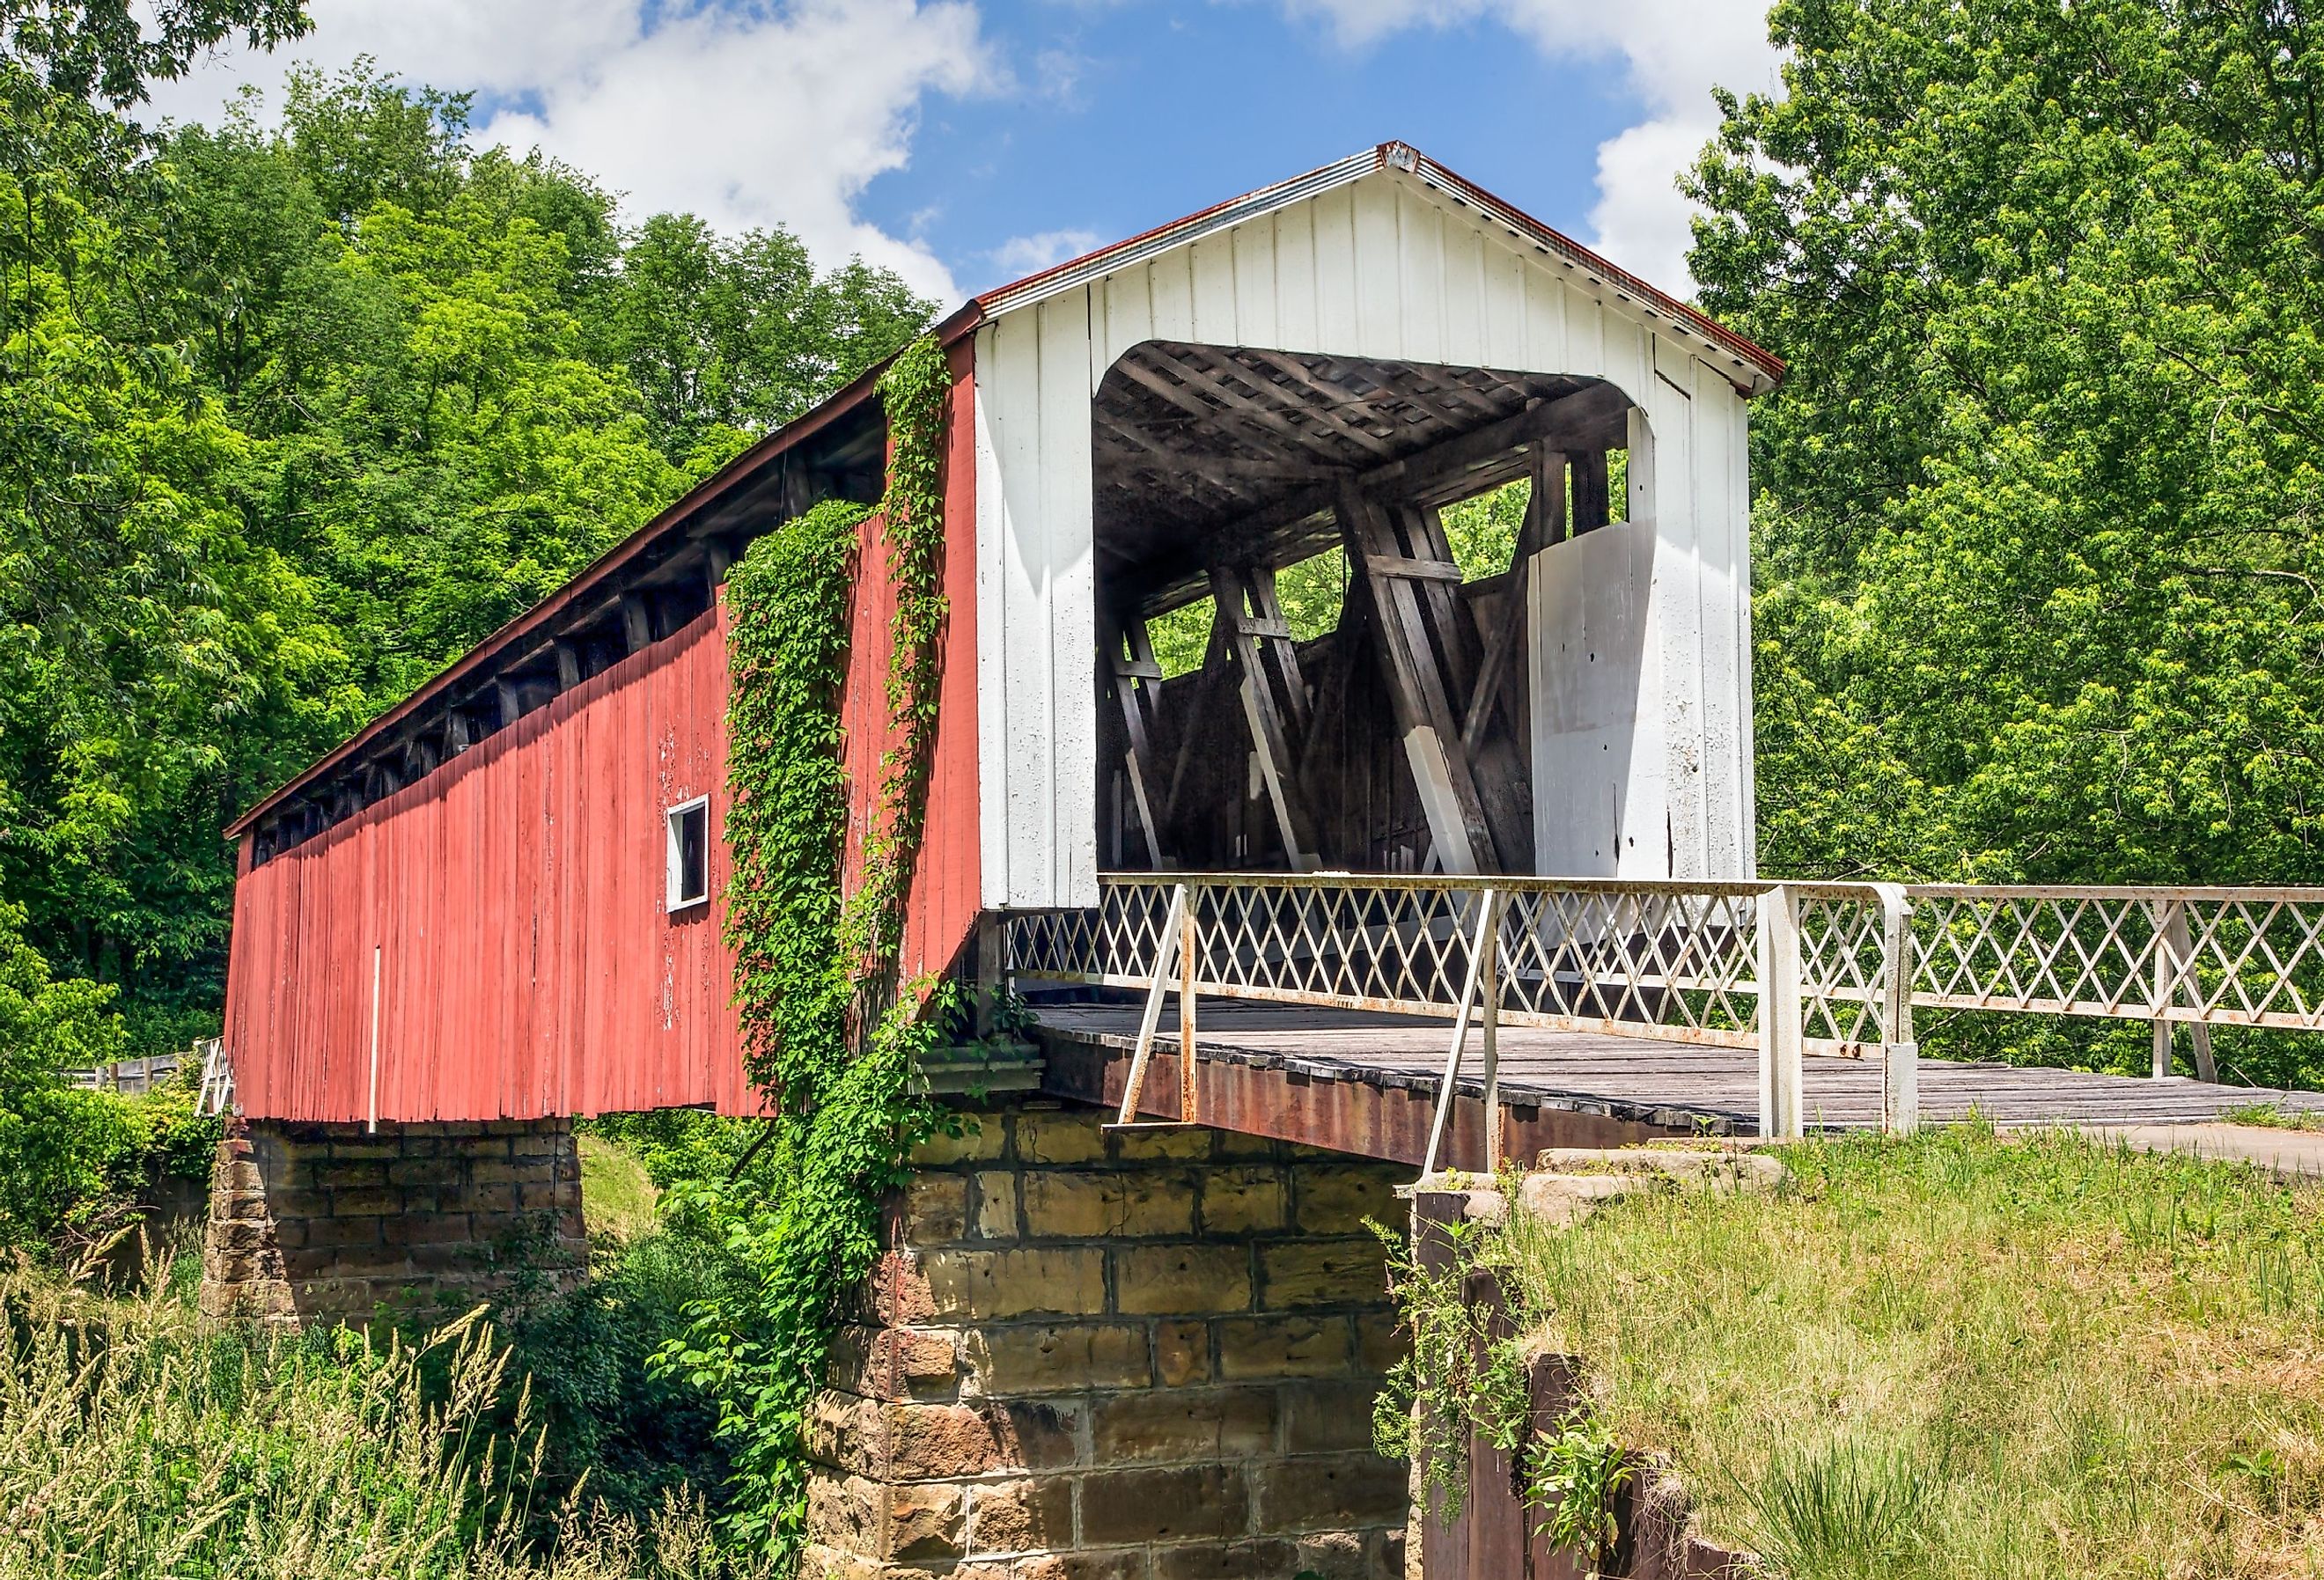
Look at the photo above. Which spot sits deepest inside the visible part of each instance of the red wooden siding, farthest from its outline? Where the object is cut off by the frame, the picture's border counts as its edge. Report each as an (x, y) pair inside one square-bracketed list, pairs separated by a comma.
[(514, 896)]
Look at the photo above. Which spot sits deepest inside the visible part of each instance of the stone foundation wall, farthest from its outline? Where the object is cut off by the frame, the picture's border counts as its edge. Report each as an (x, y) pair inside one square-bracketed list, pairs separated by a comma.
[(327, 1222), (1108, 1356)]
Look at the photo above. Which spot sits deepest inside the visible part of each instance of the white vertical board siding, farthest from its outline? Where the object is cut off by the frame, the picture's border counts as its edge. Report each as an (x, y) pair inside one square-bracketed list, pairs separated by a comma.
[(1380, 267), (1037, 623)]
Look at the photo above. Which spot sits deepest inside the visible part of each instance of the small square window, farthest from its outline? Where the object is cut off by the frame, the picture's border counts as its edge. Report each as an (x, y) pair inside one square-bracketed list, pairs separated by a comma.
[(688, 882)]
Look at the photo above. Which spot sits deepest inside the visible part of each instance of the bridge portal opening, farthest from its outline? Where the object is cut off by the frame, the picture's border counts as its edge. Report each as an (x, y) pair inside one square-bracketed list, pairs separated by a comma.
[(1313, 600)]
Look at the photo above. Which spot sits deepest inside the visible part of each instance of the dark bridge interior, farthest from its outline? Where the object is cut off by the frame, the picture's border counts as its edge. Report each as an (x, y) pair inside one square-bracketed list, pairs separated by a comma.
[(1396, 739)]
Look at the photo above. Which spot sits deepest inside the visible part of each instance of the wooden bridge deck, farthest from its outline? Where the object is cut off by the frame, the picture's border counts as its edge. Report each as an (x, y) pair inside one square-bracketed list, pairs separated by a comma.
[(1260, 1057)]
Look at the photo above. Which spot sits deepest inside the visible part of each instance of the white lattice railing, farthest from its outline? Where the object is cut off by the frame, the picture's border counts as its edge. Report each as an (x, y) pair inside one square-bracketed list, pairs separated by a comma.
[(1843, 965)]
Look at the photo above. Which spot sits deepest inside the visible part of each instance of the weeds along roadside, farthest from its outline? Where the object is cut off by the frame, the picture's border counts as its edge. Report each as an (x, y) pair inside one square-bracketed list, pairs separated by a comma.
[(1959, 1354)]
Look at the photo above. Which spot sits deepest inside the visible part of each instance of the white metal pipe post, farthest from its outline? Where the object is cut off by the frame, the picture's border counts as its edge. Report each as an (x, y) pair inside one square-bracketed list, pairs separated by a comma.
[(1488, 1005), (1781, 1111), (1190, 1097), (1487, 935), (1900, 1054), (1165, 952)]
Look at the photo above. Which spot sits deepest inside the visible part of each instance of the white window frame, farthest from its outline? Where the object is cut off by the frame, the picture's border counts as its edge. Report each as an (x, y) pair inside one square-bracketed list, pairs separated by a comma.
[(673, 866)]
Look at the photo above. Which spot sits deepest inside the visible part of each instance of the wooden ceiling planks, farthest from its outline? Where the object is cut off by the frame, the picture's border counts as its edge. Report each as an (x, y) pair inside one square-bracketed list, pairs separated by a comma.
[(1200, 448)]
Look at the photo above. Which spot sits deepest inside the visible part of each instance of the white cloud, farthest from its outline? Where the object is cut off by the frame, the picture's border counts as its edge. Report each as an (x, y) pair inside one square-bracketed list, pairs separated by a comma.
[(1672, 53), (1021, 255), (746, 114)]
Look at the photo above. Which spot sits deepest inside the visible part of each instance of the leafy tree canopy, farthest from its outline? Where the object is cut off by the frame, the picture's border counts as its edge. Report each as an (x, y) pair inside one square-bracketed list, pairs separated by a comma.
[(2037, 520), (110, 49), (293, 413)]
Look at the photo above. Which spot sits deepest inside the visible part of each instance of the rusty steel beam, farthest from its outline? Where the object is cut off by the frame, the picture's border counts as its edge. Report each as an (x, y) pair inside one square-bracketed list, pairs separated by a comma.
[(1366, 1118)]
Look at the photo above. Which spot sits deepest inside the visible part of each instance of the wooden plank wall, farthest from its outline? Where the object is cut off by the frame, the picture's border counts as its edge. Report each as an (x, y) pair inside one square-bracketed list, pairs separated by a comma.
[(1382, 267), (513, 898)]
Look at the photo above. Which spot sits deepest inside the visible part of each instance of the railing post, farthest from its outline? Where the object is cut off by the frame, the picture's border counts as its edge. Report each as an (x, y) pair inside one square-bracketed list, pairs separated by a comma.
[(1488, 1005), (2174, 963), (1166, 945), (1190, 1102), (1900, 1054), (1488, 915), (1781, 1115)]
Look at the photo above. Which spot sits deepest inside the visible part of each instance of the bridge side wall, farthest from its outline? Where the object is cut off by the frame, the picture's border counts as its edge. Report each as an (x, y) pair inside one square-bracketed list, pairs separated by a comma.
[(1092, 1355)]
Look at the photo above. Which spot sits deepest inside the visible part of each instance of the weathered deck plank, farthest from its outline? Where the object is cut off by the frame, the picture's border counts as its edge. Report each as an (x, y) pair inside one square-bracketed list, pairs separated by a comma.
[(1653, 1082)]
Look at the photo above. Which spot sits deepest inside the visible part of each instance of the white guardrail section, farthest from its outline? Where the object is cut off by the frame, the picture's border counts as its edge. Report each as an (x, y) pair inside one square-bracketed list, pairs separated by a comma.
[(1843, 965)]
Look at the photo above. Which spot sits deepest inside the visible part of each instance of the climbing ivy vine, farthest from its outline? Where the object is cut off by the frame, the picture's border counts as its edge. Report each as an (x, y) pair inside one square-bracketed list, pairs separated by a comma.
[(829, 1034)]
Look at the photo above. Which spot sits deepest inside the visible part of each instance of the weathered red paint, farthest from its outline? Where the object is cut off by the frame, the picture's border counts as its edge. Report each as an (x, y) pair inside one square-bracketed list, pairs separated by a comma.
[(512, 899)]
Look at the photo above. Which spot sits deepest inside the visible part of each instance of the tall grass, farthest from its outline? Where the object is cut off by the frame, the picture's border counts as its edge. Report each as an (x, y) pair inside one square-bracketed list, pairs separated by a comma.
[(137, 1440), (1962, 1356)]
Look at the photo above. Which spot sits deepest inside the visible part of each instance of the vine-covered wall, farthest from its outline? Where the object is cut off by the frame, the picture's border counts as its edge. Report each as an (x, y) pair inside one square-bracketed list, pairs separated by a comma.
[(824, 835)]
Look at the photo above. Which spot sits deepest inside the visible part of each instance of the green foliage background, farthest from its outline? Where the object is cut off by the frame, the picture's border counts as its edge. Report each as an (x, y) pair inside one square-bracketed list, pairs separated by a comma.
[(292, 413), (2036, 531)]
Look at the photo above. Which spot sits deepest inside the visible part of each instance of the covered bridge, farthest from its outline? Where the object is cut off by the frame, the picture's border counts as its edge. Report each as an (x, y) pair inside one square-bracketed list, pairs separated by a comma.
[(474, 909), (1513, 795)]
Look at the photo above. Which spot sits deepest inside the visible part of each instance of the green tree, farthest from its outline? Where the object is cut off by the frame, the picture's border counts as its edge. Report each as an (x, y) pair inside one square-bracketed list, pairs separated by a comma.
[(2037, 512), (109, 48), (726, 337)]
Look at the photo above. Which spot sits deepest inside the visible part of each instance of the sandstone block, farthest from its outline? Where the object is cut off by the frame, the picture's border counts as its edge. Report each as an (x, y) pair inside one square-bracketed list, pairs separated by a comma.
[(1118, 1564), (1060, 1136), (896, 1292), (895, 1363), (1380, 1340), (1107, 1205), (1328, 1418), (996, 1205), (1334, 1490), (844, 1512), (1243, 1201), (1163, 1426), (1337, 1201), (363, 1151), (1015, 1517), (1284, 1346), (1182, 1353), (425, 1171), (1162, 1143), (349, 1176), (1037, 1434), (1183, 1503), (982, 1139), (1336, 1554), (925, 1442), (1169, 1279), (927, 1523), (361, 1204), (1060, 1358), (342, 1232), (1323, 1272), (1242, 1560), (933, 1210), (1563, 1200), (989, 1285)]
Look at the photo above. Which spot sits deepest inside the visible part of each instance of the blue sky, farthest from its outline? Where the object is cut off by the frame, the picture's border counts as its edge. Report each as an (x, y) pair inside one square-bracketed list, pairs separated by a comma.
[(1161, 114), (965, 142)]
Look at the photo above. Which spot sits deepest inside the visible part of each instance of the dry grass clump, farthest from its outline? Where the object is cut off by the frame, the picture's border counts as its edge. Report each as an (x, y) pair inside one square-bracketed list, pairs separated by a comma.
[(1962, 1356), (138, 1440)]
